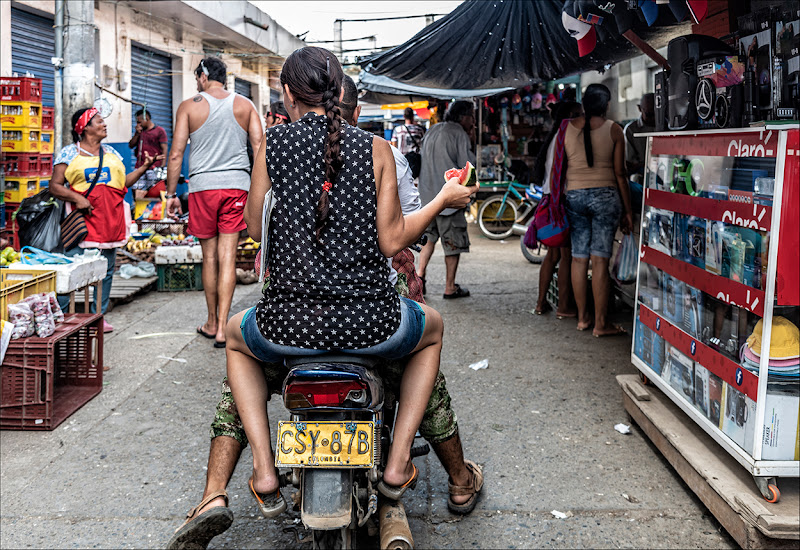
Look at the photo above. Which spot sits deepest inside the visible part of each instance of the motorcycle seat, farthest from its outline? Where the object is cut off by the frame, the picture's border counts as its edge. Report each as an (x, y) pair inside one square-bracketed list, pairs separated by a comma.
[(333, 358)]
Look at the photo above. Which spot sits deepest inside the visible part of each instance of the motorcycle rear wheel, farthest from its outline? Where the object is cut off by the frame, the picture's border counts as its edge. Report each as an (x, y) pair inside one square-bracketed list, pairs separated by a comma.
[(533, 255)]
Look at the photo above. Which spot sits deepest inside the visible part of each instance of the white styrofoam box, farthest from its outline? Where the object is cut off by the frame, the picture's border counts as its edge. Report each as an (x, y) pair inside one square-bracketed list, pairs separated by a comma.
[(179, 255), (72, 276)]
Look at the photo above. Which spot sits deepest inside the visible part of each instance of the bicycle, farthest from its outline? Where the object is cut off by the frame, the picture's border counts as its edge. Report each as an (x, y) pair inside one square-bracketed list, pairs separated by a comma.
[(510, 213)]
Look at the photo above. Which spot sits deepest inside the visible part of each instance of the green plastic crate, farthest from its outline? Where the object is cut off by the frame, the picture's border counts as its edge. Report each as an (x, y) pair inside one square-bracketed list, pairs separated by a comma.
[(180, 277)]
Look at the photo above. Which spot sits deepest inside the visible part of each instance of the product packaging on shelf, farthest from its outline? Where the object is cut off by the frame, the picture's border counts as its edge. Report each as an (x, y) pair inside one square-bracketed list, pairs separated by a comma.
[(680, 229), (681, 374), (714, 246), (721, 326), (693, 311), (660, 233), (673, 299), (701, 389), (781, 436), (696, 241), (738, 418), (649, 347), (715, 388)]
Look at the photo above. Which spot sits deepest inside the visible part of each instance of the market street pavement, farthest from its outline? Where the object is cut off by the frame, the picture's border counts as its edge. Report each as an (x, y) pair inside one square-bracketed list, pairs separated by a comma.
[(122, 471)]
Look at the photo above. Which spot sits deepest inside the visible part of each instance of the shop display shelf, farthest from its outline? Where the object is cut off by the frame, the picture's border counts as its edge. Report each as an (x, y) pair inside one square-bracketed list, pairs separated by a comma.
[(45, 380), (179, 277)]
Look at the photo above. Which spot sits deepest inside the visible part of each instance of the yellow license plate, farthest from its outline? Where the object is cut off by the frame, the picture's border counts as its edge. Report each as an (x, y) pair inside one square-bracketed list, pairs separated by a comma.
[(325, 444)]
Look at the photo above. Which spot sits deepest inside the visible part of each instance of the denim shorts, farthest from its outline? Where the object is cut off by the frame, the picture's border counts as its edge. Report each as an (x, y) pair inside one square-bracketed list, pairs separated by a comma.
[(399, 344), (593, 219)]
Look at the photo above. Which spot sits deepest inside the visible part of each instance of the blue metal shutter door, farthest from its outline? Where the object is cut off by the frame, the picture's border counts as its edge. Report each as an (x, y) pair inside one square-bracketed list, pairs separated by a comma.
[(243, 87), (32, 45), (151, 84)]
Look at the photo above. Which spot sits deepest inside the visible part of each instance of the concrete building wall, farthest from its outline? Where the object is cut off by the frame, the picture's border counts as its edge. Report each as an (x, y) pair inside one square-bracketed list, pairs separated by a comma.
[(119, 25)]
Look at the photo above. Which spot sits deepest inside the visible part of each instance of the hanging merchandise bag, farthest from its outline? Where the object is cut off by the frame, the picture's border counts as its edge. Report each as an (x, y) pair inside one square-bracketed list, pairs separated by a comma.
[(624, 269), (39, 219), (550, 219)]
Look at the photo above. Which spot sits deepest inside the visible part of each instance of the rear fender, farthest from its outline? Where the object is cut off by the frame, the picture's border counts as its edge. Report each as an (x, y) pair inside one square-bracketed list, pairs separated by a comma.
[(327, 498)]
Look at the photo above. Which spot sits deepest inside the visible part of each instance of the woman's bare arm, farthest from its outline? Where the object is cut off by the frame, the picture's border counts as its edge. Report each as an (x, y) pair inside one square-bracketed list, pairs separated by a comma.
[(618, 135), (259, 185)]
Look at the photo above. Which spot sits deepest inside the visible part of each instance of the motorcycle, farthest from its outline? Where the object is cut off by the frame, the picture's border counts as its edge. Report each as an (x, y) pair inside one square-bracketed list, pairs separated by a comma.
[(335, 447)]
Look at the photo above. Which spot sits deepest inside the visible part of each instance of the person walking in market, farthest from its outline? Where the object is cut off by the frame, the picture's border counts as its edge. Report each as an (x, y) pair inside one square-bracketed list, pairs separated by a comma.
[(219, 124), (636, 147), (276, 115), (447, 145), (439, 426), (90, 178), (151, 139), (408, 137)]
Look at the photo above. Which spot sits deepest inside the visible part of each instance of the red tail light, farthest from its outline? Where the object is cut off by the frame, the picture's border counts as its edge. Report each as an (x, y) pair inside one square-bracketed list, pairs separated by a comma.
[(324, 394)]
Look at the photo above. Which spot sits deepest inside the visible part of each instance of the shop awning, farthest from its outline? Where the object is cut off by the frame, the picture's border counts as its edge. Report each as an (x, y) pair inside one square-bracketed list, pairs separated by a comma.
[(382, 90), (503, 43)]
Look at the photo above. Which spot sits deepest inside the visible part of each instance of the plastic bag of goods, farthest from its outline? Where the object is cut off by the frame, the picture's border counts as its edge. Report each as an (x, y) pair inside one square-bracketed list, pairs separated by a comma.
[(44, 320), (21, 316)]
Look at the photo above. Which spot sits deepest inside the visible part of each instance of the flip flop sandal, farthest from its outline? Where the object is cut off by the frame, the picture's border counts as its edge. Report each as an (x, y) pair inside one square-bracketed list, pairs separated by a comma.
[(219, 345), (459, 293), (201, 332), (393, 492), (544, 309), (270, 505), (462, 490), (618, 331), (198, 529)]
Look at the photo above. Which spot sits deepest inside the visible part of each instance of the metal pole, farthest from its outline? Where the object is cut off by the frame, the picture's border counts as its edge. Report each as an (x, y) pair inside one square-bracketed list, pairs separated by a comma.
[(480, 137), (78, 73), (58, 62), (337, 38)]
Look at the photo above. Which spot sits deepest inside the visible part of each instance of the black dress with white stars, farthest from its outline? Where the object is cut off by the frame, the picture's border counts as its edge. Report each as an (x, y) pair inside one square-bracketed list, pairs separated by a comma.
[(334, 294)]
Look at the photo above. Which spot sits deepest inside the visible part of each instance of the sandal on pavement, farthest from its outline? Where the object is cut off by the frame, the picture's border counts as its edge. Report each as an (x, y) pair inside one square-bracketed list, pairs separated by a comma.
[(219, 345), (198, 529), (393, 492), (462, 490), (201, 332), (270, 505), (617, 331), (459, 293), (542, 310)]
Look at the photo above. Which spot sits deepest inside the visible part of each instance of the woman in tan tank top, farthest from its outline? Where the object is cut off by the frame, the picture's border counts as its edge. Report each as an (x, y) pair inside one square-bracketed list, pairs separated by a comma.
[(597, 195)]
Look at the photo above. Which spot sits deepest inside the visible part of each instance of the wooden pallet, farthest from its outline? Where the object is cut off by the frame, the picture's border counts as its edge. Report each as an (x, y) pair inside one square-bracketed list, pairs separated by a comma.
[(724, 486), (124, 289)]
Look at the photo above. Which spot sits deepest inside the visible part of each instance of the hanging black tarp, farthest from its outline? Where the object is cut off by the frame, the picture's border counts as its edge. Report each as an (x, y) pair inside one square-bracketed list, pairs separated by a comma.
[(501, 43)]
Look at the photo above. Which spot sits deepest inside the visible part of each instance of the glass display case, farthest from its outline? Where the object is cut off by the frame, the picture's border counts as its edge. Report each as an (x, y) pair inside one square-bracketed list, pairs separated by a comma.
[(716, 316)]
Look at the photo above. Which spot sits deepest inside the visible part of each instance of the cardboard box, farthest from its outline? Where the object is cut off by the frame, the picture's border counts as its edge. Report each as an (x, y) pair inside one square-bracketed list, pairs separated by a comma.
[(738, 417), (781, 434)]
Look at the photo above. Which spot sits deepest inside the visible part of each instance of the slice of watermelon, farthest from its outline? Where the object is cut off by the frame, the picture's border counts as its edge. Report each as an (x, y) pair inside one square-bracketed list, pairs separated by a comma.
[(466, 175)]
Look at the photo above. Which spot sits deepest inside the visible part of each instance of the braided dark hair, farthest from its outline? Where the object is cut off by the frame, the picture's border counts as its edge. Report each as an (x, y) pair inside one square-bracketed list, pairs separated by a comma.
[(314, 77), (595, 103)]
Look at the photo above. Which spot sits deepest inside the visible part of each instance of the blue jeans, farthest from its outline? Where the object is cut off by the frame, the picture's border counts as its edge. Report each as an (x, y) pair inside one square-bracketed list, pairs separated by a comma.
[(593, 219), (399, 344), (110, 254)]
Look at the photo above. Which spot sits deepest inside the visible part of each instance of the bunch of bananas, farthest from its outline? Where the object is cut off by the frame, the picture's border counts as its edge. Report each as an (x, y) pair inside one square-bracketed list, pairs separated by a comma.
[(138, 246)]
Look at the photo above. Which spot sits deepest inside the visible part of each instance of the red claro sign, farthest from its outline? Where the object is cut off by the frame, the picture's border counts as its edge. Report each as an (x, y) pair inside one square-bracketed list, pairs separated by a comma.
[(745, 144)]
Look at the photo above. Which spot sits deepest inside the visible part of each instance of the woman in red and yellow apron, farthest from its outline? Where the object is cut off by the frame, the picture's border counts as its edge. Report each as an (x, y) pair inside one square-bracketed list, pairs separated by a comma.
[(73, 172)]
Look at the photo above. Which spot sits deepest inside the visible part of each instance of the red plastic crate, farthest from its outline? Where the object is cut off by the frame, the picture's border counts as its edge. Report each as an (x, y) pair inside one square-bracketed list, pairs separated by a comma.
[(21, 89), (46, 165), (48, 118), (44, 380), (22, 164)]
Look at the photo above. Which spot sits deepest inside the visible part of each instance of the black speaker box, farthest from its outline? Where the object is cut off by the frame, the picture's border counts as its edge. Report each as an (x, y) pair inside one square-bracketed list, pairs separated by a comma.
[(660, 100), (683, 53)]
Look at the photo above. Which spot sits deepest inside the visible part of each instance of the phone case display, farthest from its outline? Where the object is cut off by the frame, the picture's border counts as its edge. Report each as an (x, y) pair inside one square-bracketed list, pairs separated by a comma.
[(713, 273)]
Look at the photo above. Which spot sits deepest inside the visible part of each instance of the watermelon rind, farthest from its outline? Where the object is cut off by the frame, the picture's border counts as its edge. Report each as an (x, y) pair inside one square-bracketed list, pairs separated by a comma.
[(466, 176)]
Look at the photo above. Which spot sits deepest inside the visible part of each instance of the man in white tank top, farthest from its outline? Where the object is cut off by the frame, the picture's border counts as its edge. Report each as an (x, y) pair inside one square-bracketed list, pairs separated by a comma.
[(219, 124)]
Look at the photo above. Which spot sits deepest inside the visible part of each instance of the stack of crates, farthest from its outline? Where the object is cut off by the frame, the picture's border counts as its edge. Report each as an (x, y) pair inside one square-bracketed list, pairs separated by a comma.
[(27, 146)]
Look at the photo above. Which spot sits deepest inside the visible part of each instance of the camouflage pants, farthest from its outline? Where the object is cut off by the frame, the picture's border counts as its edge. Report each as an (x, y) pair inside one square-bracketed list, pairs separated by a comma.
[(439, 423)]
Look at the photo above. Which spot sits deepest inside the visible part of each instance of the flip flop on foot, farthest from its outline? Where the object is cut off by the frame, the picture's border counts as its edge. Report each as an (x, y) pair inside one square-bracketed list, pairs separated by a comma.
[(270, 505), (587, 327), (219, 345), (560, 316), (459, 293), (198, 529), (472, 490), (393, 492), (542, 310), (615, 330), (201, 332)]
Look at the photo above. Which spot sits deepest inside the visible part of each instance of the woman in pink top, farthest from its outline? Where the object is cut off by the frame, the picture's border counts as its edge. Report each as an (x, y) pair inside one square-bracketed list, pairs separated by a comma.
[(597, 195)]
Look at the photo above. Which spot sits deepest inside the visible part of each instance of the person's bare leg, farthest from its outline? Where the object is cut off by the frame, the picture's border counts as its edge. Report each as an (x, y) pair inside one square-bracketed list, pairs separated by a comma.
[(415, 391), (601, 290), (546, 271), (425, 257), (451, 455), (209, 247), (250, 392), (580, 268), (226, 278), (451, 267), (222, 458), (565, 308)]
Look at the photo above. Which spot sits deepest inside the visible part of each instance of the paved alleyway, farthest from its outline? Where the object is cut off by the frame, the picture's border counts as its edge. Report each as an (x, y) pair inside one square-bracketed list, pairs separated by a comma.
[(124, 469)]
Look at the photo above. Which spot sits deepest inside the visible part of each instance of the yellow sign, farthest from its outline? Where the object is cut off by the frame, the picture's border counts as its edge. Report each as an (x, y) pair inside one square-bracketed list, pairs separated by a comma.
[(400, 106), (325, 444)]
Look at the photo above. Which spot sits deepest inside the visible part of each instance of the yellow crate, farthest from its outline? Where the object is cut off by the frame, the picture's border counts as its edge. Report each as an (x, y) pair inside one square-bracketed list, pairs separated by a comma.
[(21, 114), (20, 188), (18, 284), (20, 140), (46, 141)]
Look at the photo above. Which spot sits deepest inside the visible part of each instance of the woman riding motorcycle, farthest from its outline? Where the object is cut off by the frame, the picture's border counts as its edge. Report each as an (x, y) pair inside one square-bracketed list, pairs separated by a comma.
[(337, 217)]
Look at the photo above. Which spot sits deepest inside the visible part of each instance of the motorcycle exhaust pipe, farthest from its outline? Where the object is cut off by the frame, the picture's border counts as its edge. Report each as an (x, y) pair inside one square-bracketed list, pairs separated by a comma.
[(519, 229), (395, 532)]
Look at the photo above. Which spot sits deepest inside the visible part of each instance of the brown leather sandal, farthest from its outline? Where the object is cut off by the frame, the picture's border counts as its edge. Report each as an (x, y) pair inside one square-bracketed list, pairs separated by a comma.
[(473, 489), (198, 529)]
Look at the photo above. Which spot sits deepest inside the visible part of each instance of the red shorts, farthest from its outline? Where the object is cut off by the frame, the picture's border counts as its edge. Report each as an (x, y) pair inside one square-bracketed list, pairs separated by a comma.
[(216, 211)]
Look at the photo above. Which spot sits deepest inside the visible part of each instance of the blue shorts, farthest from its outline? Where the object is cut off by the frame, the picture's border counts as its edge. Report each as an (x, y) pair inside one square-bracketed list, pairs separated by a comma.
[(593, 220), (399, 344)]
